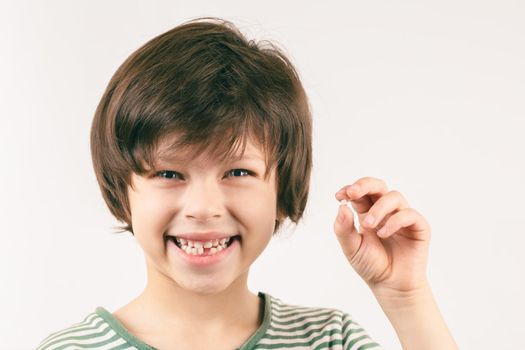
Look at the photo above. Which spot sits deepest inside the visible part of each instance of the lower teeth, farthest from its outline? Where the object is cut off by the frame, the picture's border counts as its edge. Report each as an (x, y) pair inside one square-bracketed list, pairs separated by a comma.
[(206, 251)]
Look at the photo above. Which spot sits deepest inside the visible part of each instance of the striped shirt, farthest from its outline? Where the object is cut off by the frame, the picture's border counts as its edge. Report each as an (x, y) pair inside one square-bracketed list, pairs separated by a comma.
[(284, 326)]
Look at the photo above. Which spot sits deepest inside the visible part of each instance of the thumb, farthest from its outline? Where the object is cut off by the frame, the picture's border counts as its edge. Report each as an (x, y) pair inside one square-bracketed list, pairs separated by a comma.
[(347, 235)]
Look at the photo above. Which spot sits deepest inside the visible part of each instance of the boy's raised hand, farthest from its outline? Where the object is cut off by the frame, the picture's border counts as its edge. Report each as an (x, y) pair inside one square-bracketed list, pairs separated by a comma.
[(393, 264)]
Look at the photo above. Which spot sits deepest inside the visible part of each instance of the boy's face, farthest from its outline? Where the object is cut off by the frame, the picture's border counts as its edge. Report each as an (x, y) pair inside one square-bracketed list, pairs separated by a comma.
[(201, 195)]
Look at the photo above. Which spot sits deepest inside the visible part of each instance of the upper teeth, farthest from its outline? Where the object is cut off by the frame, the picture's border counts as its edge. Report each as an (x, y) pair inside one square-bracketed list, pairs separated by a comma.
[(207, 244), (197, 248)]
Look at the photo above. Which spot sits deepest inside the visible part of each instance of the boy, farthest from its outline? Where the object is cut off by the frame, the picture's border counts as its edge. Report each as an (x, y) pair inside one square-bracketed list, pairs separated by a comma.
[(201, 144)]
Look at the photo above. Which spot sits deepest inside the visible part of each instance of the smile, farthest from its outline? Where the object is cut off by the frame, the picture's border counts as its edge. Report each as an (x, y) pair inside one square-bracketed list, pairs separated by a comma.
[(202, 248), (201, 256)]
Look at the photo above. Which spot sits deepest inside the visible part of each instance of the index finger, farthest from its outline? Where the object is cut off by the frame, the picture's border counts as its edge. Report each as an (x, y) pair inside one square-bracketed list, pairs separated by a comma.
[(363, 193)]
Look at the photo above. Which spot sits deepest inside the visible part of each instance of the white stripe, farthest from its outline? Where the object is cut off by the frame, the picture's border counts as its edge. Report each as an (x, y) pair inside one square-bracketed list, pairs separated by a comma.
[(305, 347), (316, 312), (89, 331), (356, 335), (283, 307), (304, 323), (302, 332), (360, 343), (117, 342), (89, 322), (353, 326), (327, 339), (75, 325), (95, 331)]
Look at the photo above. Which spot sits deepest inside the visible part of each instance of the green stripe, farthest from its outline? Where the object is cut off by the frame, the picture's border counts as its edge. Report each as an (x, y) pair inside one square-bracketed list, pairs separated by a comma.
[(306, 318), (354, 341), (113, 339), (285, 307), (307, 326), (78, 337), (276, 316), (368, 346), (51, 340), (347, 324), (311, 313), (122, 346), (263, 328), (61, 332), (327, 344), (328, 332), (120, 330)]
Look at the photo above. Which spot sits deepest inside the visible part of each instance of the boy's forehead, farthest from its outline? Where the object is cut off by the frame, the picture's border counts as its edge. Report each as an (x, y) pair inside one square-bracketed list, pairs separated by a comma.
[(164, 153)]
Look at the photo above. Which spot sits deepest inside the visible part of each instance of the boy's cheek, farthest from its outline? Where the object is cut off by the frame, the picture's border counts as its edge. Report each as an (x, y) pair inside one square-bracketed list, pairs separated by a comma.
[(254, 207)]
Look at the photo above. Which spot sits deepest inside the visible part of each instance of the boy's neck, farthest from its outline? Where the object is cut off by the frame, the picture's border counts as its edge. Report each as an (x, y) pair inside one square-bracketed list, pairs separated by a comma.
[(164, 306)]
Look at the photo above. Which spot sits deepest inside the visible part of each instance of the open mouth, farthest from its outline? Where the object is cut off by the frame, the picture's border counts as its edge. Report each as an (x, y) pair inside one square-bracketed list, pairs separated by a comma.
[(203, 248)]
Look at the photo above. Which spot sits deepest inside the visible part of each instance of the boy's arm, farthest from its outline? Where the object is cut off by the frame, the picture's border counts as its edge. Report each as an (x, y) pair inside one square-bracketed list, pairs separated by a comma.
[(390, 253), (417, 320)]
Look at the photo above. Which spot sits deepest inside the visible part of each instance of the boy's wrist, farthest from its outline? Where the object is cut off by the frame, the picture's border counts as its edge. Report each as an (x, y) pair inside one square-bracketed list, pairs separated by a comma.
[(416, 319), (393, 300)]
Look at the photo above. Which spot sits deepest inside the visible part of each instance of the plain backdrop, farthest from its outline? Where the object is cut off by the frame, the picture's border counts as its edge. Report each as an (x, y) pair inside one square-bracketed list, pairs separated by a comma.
[(425, 95)]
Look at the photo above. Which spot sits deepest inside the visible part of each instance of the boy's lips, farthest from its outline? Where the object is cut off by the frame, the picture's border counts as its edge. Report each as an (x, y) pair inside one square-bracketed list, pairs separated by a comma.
[(206, 258)]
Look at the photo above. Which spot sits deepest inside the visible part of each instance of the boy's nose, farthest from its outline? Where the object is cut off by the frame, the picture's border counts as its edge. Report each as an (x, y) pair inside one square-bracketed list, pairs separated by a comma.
[(203, 202)]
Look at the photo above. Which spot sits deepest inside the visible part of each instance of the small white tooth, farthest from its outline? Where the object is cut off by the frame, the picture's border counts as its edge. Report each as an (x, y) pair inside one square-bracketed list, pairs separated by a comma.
[(183, 241), (197, 245), (178, 239), (187, 249), (222, 241), (215, 243), (208, 245), (219, 248), (194, 250), (190, 244), (200, 250), (213, 250)]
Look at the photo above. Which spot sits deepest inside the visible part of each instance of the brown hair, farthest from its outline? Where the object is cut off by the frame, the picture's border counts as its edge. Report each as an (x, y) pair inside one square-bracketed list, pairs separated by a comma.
[(205, 83)]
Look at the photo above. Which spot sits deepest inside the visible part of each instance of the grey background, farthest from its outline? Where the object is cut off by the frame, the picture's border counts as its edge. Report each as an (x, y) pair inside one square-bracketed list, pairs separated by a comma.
[(426, 95)]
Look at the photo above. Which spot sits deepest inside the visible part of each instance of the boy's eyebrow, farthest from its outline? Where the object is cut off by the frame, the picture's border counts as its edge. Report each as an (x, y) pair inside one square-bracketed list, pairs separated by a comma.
[(251, 156), (176, 158)]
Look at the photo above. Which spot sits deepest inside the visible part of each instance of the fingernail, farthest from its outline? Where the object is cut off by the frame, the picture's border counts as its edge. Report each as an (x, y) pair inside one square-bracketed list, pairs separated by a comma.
[(354, 188)]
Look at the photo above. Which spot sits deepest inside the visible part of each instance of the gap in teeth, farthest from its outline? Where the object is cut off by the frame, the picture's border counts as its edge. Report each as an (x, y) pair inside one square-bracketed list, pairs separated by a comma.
[(200, 248)]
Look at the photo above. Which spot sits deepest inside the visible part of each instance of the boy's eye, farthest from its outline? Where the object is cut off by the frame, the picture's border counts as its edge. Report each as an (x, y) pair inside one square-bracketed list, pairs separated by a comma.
[(237, 171), (168, 174)]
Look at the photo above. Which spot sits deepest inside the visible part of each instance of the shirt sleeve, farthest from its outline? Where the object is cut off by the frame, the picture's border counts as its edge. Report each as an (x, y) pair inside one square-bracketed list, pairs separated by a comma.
[(355, 337)]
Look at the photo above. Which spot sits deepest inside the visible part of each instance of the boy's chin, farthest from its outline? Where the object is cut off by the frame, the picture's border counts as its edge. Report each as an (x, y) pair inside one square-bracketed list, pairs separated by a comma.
[(207, 290)]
